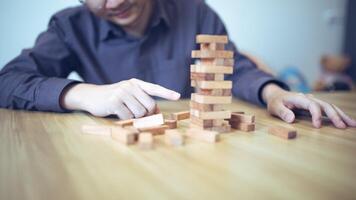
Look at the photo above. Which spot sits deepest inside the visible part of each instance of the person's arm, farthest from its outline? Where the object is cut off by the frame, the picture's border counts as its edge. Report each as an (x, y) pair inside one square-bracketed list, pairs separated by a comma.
[(35, 79)]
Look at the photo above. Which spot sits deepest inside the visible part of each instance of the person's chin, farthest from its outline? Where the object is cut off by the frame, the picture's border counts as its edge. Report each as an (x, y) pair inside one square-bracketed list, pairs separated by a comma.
[(125, 21)]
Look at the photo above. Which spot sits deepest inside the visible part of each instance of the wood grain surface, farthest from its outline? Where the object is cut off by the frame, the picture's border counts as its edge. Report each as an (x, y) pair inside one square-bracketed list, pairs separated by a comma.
[(45, 156)]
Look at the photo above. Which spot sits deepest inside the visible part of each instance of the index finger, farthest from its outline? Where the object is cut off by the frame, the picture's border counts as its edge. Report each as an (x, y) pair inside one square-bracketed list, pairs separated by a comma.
[(156, 90)]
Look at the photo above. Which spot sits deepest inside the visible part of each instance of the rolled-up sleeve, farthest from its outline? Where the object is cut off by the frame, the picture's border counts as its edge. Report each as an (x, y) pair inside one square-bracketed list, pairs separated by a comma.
[(248, 80), (36, 78)]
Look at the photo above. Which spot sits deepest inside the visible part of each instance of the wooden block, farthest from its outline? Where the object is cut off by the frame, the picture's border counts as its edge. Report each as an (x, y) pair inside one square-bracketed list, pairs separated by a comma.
[(283, 132), (212, 84), (155, 130), (212, 46), (202, 76), (221, 129), (211, 69), (124, 123), (99, 130), (202, 135), (173, 138), (242, 118), (180, 115), (216, 61), (211, 99), (125, 136), (247, 127), (211, 115), (214, 92), (145, 141), (171, 123), (222, 39), (206, 107), (212, 54), (150, 121)]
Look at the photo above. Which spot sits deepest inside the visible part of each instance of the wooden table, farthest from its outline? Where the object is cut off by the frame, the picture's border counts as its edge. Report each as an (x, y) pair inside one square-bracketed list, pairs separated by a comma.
[(45, 156)]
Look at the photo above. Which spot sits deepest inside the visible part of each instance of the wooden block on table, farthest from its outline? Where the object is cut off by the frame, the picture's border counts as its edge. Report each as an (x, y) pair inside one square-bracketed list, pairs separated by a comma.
[(212, 54), (145, 141), (214, 92), (99, 130), (211, 69), (206, 107), (125, 136), (247, 127), (174, 138), (242, 118), (150, 121), (124, 123), (180, 115), (155, 130), (202, 99), (282, 132), (222, 39), (202, 135), (212, 46), (211, 115), (212, 84), (217, 61), (171, 123)]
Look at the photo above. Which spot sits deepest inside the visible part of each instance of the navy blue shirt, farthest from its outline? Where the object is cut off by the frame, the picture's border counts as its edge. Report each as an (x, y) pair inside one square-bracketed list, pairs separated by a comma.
[(102, 53)]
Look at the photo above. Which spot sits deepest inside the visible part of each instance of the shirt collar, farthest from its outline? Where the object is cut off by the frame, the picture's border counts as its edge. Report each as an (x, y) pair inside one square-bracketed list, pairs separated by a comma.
[(160, 14)]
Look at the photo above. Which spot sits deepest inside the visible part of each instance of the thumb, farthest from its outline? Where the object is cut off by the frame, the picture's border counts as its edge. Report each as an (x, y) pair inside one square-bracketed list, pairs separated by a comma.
[(281, 111)]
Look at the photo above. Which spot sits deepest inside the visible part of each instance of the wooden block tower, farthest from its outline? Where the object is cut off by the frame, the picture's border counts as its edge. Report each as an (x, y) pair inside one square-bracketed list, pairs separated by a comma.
[(212, 91)]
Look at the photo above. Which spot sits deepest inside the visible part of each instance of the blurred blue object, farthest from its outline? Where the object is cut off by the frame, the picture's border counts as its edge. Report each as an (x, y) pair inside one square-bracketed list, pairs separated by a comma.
[(294, 79)]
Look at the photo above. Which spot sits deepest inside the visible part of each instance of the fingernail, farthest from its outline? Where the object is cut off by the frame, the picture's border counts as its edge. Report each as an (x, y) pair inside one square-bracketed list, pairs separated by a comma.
[(288, 118), (175, 95)]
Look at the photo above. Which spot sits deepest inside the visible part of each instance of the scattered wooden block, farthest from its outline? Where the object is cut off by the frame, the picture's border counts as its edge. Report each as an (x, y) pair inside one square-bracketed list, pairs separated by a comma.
[(211, 69), (155, 130), (212, 84), (242, 118), (180, 115), (217, 61), (212, 54), (99, 130), (174, 138), (150, 121), (211, 115), (171, 123), (202, 135), (211, 99), (145, 141), (212, 46), (124, 123), (125, 136), (222, 39), (283, 132)]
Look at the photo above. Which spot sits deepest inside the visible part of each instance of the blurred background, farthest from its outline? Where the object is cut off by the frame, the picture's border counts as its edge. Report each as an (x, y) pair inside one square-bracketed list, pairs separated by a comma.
[(300, 41)]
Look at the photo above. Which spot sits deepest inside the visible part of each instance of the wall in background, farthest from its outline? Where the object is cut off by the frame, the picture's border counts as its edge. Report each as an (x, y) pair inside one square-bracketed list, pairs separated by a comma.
[(281, 32)]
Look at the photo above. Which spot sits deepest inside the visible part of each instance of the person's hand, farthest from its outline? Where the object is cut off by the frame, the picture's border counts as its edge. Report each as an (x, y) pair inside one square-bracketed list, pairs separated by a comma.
[(281, 103), (126, 99)]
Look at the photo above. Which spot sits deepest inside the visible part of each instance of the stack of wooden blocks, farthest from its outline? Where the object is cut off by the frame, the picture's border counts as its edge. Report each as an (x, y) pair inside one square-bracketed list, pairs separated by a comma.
[(212, 91)]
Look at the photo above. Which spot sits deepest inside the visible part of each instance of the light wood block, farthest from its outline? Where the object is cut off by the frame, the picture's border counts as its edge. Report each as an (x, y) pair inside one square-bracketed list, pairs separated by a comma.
[(242, 118), (180, 115), (145, 141), (282, 132), (211, 115), (150, 121), (211, 69), (247, 127), (155, 130), (222, 39), (212, 46), (206, 107), (124, 123), (171, 123), (99, 130), (214, 92), (212, 84), (125, 136), (207, 123), (217, 62), (211, 99), (202, 76), (202, 135), (173, 138), (212, 54)]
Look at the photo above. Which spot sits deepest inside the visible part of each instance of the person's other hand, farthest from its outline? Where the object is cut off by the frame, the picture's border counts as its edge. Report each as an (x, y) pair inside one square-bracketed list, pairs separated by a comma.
[(280, 103), (126, 99)]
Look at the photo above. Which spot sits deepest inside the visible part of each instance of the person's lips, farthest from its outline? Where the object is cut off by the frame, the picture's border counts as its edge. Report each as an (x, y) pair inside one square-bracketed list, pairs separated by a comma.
[(123, 12)]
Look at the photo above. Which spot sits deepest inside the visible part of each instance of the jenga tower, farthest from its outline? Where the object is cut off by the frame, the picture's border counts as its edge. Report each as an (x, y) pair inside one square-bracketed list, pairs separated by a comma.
[(212, 91)]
